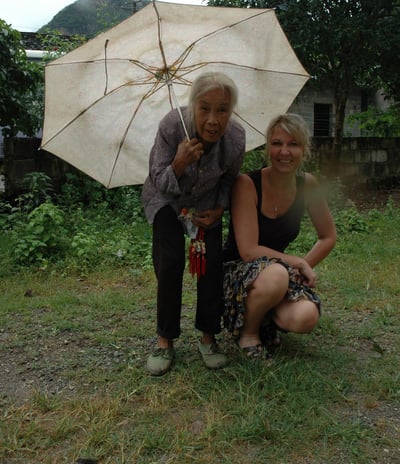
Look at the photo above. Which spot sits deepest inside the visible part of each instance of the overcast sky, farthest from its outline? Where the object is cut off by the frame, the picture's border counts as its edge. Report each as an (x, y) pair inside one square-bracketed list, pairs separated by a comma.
[(31, 15)]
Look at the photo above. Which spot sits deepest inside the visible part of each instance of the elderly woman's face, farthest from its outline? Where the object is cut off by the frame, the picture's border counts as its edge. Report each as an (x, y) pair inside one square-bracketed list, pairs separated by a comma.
[(212, 111)]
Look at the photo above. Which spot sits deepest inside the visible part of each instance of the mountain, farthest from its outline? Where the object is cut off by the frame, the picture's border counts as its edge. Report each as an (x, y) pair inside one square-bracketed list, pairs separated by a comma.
[(89, 17)]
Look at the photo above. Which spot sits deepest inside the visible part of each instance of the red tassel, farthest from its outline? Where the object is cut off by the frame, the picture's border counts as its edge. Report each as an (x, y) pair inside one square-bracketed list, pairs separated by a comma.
[(192, 258), (197, 255)]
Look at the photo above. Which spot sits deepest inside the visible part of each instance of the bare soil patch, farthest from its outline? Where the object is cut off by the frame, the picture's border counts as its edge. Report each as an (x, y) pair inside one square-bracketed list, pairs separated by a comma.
[(366, 199)]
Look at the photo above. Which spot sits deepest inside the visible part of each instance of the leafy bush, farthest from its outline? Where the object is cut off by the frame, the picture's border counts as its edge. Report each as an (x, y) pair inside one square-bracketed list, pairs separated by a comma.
[(80, 190), (85, 250), (350, 221), (254, 159), (41, 237), (376, 123), (39, 189)]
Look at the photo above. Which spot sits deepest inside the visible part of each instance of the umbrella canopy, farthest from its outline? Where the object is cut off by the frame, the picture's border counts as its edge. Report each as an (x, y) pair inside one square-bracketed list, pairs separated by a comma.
[(104, 100)]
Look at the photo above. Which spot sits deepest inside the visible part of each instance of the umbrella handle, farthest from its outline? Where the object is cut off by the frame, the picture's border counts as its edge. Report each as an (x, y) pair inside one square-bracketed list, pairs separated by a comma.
[(176, 103)]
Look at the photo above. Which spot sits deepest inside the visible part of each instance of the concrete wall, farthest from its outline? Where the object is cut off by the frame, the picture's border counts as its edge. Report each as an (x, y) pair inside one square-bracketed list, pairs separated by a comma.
[(362, 160), (22, 156)]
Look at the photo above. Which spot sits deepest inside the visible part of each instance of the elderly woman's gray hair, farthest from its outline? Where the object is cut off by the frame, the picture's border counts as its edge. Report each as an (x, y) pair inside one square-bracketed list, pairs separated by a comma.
[(203, 84), (294, 125)]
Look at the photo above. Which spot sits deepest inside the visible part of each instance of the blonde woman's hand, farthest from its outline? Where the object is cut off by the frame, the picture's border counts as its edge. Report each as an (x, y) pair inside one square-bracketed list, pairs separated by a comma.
[(308, 274)]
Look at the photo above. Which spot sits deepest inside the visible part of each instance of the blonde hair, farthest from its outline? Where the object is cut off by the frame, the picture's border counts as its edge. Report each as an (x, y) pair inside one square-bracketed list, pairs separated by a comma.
[(294, 125)]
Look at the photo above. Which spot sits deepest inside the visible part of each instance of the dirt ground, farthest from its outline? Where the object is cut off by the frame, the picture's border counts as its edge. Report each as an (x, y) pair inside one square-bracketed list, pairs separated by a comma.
[(367, 199)]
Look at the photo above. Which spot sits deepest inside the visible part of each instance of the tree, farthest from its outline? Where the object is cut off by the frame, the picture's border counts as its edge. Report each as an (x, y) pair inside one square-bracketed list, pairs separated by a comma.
[(389, 54), (19, 85), (337, 41)]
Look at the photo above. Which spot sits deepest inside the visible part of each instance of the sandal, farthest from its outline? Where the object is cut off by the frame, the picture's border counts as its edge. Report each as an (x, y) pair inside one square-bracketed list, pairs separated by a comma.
[(254, 352)]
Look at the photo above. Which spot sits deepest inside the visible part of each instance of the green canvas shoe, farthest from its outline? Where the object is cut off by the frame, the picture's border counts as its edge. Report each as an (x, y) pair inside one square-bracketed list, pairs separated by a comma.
[(212, 356), (160, 361)]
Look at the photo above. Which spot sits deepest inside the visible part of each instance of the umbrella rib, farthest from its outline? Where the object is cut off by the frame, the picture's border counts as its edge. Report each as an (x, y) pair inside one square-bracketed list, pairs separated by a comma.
[(159, 36), (149, 93), (105, 66), (248, 124), (190, 69)]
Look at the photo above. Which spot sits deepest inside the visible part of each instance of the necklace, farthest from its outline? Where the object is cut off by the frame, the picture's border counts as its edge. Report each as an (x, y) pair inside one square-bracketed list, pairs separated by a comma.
[(279, 198)]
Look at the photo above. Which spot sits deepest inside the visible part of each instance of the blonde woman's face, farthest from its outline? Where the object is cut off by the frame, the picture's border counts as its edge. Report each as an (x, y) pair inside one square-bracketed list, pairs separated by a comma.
[(211, 115), (286, 154)]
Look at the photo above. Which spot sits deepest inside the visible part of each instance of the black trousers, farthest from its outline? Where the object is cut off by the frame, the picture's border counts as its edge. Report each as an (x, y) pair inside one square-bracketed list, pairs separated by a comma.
[(169, 259)]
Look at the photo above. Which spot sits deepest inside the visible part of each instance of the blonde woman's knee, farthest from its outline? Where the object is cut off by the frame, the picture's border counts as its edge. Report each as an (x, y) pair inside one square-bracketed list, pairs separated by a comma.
[(297, 316), (275, 276), (272, 280)]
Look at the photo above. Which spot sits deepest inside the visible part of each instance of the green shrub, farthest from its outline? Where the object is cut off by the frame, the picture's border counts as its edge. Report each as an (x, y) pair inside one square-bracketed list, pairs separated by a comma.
[(38, 188), (254, 159), (350, 221), (376, 123), (80, 190), (41, 238)]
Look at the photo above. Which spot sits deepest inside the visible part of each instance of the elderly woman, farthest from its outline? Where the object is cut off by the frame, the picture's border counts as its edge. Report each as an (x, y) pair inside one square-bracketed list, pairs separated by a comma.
[(192, 174), (264, 286)]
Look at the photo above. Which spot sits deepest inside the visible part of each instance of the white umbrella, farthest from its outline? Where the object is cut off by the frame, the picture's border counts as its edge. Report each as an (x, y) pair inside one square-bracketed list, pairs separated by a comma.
[(104, 100)]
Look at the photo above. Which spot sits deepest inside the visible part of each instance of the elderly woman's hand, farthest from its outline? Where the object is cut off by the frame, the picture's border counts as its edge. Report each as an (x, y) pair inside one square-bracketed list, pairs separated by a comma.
[(207, 217), (189, 151)]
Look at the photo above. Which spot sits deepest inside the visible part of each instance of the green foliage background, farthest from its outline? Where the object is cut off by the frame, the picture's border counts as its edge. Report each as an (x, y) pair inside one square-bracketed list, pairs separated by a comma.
[(19, 85)]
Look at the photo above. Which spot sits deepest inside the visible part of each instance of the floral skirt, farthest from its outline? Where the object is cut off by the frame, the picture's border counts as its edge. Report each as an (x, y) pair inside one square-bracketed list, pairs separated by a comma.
[(238, 278)]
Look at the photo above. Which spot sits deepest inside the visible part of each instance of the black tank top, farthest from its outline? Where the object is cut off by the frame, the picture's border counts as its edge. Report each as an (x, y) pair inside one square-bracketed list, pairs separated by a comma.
[(274, 233)]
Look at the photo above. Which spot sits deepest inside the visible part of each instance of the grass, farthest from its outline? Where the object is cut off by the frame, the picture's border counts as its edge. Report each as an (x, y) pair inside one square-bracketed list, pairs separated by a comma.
[(73, 348)]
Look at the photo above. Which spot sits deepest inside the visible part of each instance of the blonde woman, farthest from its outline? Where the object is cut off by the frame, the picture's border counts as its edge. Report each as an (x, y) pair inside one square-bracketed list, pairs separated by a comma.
[(265, 287)]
